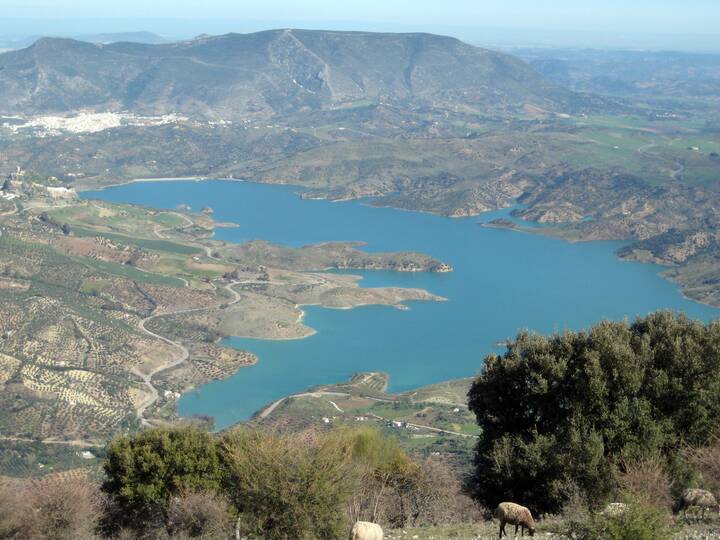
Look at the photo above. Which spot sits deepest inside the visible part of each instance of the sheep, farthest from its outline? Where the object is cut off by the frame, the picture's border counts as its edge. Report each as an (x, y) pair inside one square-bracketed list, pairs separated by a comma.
[(514, 514), (614, 510), (697, 497), (365, 530)]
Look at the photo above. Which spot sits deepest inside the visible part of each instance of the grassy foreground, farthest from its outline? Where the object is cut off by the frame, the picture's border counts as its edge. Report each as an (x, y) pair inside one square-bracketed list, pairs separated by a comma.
[(684, 530)]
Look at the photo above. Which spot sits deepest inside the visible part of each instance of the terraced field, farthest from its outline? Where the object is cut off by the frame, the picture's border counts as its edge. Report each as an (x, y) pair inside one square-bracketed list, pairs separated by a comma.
[(430, 420), (108, 312)]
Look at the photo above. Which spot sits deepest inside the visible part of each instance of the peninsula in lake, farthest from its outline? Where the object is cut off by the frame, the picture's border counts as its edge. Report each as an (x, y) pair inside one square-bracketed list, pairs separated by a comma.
[(416, 121), (363, 280), (117, 302)]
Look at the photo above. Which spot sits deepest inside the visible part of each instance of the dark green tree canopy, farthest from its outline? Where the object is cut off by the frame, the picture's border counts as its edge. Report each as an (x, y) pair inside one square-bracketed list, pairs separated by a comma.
[(563, 411), (143, 472)]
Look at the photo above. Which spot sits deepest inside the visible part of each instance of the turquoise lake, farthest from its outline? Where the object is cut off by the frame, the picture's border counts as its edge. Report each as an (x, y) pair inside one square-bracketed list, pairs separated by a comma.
[(503, 281)]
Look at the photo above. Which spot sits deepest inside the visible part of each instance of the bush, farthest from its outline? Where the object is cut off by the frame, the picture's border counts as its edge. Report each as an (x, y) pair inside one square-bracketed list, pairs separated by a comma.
[(571, 407), (379, 469), (286, 490), (167, 482), (706, 460), (641, 521), (394, 490), (427, 497), (143, 472), (53, 510), (199, 514), (682, 474), (648, 482)]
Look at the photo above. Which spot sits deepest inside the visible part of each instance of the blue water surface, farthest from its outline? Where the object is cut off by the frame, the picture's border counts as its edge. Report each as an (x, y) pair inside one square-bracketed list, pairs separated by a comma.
[(503, 281)]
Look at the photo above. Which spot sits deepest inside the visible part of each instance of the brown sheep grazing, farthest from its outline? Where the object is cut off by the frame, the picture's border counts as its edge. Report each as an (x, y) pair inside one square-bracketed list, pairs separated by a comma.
[(517, 515), (365, 530), (700, 498)]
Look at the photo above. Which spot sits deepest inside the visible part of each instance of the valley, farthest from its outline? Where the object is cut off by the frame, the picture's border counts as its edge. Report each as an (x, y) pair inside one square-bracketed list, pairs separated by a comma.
[(321, 270), (129, 304), (628, 158), (502, 280), (109, 311)]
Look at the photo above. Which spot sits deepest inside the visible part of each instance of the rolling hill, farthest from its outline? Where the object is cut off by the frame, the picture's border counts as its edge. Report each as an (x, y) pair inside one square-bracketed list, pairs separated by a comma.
[(417, 121), (271, 72)]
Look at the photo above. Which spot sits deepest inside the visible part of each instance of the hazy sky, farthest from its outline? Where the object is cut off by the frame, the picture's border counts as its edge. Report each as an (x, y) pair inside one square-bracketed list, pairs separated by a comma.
[(566, 20)]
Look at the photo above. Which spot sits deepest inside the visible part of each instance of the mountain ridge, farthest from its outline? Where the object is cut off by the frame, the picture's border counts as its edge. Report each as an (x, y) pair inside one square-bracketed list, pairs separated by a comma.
[(269, 72)]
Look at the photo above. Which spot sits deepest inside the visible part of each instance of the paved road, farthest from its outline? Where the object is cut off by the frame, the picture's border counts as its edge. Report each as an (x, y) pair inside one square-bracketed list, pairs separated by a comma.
[(438, 430)]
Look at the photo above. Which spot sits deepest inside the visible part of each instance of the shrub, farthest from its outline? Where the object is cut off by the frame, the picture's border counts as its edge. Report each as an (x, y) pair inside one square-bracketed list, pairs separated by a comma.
[(379, 468), (12, 509), (199, 514), (166, 482), (706, 461), (571, 407), (682, 474), (53, 510), (641, 521), (285, 490), (143, 472), (648, 482), (428, 494), (394, 490)]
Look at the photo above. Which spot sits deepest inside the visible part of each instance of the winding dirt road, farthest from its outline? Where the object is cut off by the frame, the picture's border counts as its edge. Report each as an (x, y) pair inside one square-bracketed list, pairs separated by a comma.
[(437, 430), (680, 166), (275, 404), (182, 357), (74, 442)]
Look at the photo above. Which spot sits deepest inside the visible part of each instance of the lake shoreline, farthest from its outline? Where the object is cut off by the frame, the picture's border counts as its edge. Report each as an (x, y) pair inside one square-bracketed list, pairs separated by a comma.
[(502, 283)]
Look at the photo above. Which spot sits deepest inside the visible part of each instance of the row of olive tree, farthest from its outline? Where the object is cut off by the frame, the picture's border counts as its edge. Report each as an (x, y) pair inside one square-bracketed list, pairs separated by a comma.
[(569, 411)]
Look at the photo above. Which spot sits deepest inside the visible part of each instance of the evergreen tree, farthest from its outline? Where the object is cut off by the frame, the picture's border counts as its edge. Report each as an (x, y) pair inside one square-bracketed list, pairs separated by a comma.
[(144, 472), (562, 412)]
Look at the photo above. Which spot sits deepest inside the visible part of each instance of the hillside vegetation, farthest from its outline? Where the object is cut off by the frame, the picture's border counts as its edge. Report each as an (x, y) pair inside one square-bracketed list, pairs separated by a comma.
[(268, 72), (186, 483), (595, 145), (109, 312), (572, 413), (568, 423)]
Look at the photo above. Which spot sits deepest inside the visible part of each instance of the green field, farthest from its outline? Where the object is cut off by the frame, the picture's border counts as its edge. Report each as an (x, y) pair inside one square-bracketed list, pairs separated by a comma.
[(145, 243), (129, 272)]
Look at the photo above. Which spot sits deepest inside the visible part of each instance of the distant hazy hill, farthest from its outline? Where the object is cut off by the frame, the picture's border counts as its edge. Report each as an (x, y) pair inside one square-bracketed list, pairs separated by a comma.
[(134, 37), (270, 72), (643, 73)]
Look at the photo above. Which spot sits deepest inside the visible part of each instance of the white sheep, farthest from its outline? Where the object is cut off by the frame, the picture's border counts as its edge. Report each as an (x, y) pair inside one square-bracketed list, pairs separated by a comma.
[(615, 509), (514, 514), (365, 530), (694, 497)]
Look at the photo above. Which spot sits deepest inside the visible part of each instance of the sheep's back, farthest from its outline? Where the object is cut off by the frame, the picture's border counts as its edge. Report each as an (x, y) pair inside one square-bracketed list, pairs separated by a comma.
[(699, 497), (514, 514), (365, 530)]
